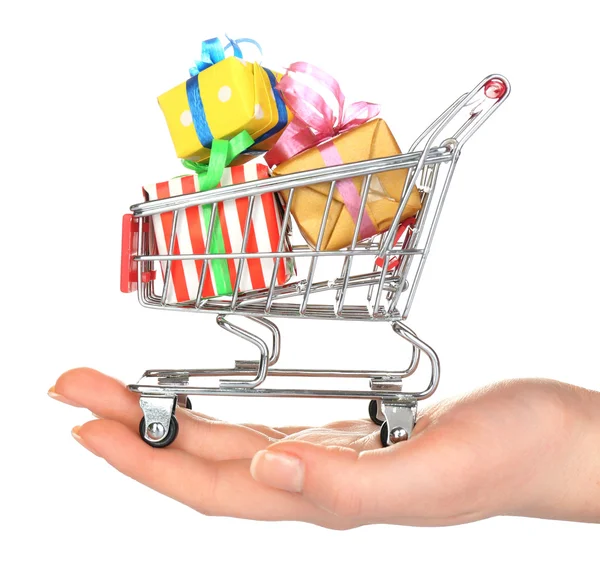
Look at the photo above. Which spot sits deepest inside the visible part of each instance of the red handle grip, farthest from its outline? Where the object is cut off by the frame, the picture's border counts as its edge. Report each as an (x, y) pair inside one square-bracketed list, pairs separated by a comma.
[(129, 245), (495, 89), (128, 251)]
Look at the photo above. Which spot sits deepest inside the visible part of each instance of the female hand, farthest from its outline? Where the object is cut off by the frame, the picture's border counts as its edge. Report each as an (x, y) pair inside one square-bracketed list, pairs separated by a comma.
[(521, 447)]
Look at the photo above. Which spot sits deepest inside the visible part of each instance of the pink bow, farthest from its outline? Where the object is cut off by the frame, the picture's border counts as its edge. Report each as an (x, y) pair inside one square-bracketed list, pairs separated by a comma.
[(314, 120)]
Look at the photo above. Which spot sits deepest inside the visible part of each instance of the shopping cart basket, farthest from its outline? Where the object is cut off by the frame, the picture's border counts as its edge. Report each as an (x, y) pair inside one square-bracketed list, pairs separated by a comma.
[(371, 280)]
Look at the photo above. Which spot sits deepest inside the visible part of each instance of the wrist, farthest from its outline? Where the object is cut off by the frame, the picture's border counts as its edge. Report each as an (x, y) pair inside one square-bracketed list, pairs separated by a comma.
[(566, 485)]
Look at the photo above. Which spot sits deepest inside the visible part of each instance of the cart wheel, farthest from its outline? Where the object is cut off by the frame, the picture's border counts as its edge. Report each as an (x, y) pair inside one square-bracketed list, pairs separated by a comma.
[(399, 435), (383, 434), (163, 442), (373, 413), (188, 404)]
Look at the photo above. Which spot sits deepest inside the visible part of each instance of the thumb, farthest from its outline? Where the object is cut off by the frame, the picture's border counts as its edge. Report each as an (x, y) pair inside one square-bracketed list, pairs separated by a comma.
[(339, 480)]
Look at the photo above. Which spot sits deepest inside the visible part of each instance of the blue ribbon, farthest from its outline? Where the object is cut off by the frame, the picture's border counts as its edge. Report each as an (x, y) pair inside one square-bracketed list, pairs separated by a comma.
[(282, 115), (205, 136), (213, 52), (234, 44)]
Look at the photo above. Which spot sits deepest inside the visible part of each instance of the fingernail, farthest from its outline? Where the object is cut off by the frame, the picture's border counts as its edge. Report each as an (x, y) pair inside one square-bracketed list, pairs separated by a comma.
[(281, 471), (77, 436), (56, 396)]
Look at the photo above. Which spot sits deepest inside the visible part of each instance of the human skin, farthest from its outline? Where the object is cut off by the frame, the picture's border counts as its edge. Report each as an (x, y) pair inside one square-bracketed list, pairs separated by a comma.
[(527, 447)]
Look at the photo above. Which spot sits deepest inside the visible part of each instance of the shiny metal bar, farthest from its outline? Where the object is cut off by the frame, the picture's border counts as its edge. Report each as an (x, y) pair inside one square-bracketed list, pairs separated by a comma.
[(376, 305), (442, 118), (285, 182), (292, 254), (282, 373), (251, 298), (314, 259), (205, 264), (284, 226), (427, 198), (341, 293), (436, 130), (365, 245), (163, 298), (481, 118), (376, 269), (411, 181), (434, 379), (261, 370), (269, 392), (432, 229), (247, 389), (276, 338), (140, 267), (242, 263)]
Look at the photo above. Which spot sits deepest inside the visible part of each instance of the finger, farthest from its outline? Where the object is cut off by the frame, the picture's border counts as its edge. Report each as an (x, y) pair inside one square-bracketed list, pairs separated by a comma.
[(104, 396), (399, 484), (213, 488), (200, 435)]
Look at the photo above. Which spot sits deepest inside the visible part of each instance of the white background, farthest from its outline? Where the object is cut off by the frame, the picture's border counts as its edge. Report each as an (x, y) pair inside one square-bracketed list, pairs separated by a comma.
[(511, 287)]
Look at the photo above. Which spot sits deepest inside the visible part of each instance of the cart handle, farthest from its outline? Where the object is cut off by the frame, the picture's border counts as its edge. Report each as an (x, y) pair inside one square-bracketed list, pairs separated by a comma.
[(494, 87)]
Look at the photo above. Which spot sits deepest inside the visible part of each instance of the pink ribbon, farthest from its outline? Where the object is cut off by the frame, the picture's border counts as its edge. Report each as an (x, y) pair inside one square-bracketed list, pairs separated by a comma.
[(316, 122), (348, 191)]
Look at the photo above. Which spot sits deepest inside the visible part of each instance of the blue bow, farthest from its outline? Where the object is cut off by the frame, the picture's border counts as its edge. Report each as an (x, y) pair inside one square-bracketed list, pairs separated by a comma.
[(214, 52)]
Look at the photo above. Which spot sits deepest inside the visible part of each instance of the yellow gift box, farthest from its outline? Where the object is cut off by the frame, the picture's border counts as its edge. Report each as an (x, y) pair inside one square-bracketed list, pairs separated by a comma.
[(221, 101), (371, 140)]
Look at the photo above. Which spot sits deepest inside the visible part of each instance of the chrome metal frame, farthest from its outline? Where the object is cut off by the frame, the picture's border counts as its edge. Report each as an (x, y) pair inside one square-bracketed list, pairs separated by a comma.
[(388, 293)]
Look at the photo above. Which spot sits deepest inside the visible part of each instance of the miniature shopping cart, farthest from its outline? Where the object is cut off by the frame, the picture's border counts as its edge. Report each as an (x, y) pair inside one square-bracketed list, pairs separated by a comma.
[(372, 280)]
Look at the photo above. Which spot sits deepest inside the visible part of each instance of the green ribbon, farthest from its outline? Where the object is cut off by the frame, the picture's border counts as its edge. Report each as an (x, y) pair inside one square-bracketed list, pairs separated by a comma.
[(209, 175)]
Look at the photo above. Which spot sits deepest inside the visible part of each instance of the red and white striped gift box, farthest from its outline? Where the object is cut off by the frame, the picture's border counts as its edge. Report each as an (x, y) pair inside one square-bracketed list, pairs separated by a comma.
[(192, 231)]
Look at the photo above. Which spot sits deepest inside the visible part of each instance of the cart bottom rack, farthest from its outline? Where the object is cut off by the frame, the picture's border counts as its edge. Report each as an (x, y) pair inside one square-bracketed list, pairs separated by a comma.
[(395, 411)]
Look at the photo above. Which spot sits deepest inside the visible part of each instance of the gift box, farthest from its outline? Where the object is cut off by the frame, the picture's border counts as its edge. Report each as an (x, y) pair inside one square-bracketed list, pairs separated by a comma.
[(371, 140), (219, 102), (230, 221)]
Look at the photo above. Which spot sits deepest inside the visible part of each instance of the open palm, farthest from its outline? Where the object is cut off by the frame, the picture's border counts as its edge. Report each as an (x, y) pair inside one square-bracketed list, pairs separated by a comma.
[(468, 459)]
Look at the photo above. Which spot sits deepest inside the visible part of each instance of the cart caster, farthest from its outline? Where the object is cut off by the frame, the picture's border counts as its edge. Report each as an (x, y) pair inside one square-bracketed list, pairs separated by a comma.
[(401, 418), (158, 427), (187, 404), (155, 435), (398, 435), (375, 412)]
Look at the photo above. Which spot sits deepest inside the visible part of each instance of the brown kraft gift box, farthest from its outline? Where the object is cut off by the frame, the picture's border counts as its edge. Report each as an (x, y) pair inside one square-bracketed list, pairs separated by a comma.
[(371, 140)]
